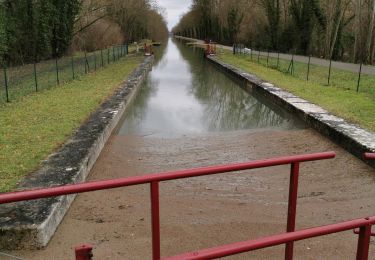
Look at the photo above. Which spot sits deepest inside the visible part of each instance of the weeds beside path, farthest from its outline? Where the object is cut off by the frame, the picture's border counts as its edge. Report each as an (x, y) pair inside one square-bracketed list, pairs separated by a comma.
[(358, 108), (35, 126)]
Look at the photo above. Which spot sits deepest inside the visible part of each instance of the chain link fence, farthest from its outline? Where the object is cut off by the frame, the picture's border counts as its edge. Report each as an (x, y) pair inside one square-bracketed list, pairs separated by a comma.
[(18, 81), (348, 76)]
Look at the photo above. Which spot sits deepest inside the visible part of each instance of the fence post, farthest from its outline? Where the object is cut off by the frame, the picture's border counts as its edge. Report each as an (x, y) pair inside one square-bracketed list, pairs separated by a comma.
[(155, 220), (95, 60), (127, 49), (292, 69), (308, 68), (268, 56), (6, 83), (234, 48), (86, 63), (363, 242), (278, 59), (73, 74), (291, 65), (101, 55), (113, 53), (108, 54), (35, 78), (329, 70), (251, 54), (258, 55), (359, 76), (57, 72), (292, 207)]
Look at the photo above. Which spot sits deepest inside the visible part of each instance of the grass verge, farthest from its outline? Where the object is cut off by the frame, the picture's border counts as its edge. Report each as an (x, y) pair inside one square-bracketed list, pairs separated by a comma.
[(342, 101), (37, 124)]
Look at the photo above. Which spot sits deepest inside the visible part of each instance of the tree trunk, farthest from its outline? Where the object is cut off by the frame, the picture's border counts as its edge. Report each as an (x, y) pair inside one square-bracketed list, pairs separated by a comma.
[(357, 29), (338, 24), (369, 39)]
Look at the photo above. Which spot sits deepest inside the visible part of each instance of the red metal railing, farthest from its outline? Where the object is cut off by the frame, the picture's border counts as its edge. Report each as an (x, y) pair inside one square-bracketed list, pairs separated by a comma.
[(83, 252), (154, 179), (364, 233), (210, 48), (236, 248), (369, 156)]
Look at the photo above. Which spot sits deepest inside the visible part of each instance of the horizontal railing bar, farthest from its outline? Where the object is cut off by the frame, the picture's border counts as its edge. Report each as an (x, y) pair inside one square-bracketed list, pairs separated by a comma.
[(369, 156), (250, 245), (156, 177)]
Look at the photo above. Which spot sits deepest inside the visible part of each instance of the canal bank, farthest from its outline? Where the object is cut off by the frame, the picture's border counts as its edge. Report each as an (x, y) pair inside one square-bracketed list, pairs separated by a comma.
[(351, 137), (31, 224), (187, 115)]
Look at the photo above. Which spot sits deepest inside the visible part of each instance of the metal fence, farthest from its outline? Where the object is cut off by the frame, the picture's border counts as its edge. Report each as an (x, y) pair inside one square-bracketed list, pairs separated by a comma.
[(83, 253), (19, 81), (349, 76)]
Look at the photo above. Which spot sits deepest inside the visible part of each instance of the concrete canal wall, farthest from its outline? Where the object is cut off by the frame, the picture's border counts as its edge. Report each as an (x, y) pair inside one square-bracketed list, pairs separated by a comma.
[(351, 137), (31, 224)]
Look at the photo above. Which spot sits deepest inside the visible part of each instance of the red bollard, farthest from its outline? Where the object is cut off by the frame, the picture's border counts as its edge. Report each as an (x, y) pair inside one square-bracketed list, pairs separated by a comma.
[(83, 252)]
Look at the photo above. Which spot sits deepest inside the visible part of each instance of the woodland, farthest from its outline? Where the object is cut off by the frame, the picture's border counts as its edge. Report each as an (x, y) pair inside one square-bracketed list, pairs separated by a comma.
[(34, 30), (337, 29)]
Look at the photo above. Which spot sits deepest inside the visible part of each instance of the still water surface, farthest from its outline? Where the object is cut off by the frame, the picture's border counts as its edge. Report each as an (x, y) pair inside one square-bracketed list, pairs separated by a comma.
[(185, 94)]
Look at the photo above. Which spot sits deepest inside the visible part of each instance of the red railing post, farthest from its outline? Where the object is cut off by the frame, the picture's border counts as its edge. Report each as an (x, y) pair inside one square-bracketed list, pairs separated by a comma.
[(369, 156), (155, 220), (83, 252), (363, 242), (292, 207)]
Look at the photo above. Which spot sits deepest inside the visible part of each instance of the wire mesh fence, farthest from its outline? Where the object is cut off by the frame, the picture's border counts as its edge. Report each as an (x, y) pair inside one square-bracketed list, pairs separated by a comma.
[(18, 81), (348, 76)]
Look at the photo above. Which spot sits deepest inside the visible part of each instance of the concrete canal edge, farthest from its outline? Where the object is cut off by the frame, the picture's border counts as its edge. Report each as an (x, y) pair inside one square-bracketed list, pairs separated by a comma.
[(31, 224), (353, 138)]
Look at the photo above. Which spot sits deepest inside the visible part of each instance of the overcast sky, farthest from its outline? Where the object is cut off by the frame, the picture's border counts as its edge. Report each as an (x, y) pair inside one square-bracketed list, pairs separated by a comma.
[(174, 8)]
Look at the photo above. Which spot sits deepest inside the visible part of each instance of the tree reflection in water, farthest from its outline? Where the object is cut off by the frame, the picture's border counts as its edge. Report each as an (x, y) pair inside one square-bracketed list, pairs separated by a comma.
[(227, 106), (186, 94), (135, 114)]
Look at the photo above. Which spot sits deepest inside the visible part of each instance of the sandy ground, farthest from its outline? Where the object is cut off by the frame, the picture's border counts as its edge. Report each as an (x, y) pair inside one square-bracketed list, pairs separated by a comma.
[(209, 211)]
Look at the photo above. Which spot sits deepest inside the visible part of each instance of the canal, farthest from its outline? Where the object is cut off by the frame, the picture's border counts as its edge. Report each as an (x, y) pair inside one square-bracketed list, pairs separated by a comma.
[(185, 94), (189, 114)]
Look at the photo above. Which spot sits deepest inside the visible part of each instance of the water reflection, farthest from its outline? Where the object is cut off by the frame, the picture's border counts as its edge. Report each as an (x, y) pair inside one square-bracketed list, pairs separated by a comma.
[(186, 94)]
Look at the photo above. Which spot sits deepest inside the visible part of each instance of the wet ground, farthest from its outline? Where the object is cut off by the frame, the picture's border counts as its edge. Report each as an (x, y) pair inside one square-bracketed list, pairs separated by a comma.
[(164, 131)]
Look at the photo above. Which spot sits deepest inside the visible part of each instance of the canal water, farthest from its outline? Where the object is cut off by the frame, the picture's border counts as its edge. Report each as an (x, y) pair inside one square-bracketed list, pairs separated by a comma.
[(185, 94)]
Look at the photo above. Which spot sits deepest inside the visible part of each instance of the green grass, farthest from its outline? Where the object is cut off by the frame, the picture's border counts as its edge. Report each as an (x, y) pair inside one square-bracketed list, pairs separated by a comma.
[(339, 98), (37, 124), (319, 74)]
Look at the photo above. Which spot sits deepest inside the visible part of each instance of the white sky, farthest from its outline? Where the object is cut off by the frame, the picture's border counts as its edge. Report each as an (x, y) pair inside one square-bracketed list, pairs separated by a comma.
[(174, 8)]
